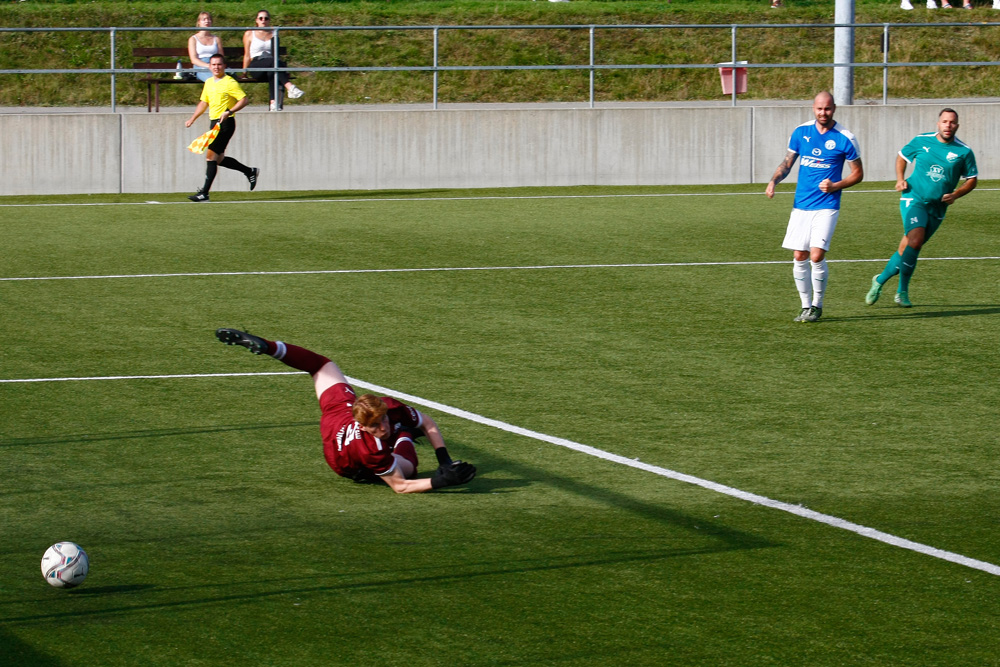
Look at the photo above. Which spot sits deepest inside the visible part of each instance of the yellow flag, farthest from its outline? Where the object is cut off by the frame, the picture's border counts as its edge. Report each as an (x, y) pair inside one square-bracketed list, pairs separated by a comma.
[(201, 143)]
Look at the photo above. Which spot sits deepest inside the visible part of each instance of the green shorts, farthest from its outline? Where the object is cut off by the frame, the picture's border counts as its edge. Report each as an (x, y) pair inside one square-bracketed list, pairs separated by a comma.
[(916, 213)]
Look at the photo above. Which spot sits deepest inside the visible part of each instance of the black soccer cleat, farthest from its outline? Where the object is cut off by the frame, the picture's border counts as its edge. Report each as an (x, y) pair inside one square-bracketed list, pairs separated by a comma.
[(199, 196), (255, 344), (252, 177)]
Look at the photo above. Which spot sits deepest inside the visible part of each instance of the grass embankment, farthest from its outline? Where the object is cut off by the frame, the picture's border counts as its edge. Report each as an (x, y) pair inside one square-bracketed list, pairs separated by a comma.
[(507, 47)]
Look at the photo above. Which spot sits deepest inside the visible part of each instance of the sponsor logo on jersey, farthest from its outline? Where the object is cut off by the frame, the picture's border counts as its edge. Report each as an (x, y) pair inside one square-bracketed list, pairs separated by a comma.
[(815, 164), (348, 434), (936, 173), (817, 152)]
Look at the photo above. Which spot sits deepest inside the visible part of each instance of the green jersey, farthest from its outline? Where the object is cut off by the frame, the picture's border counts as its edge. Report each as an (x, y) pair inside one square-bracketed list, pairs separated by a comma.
[(937, 166)]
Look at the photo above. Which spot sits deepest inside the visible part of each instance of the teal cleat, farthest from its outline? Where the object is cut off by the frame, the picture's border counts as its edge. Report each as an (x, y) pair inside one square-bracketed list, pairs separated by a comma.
[(903, 299), (874, 293)]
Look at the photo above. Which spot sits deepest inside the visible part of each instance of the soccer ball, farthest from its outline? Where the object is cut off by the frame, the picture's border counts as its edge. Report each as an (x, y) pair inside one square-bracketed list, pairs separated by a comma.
[(65, 565)]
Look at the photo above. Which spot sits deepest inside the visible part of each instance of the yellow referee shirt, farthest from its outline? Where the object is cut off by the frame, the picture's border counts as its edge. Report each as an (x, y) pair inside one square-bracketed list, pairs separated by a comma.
[(221, 94)]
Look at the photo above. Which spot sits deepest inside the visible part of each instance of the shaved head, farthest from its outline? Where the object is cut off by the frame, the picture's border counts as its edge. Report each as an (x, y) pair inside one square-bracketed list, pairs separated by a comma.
[(825, 98), (823, 108)]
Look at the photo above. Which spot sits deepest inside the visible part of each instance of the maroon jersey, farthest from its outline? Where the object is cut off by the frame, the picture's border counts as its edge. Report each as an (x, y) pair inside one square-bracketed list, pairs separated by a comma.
[(349, 450), (404, 422)]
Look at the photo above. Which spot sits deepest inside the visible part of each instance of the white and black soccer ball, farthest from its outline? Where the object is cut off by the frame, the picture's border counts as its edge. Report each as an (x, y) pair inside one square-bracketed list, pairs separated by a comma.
[(65, 565)]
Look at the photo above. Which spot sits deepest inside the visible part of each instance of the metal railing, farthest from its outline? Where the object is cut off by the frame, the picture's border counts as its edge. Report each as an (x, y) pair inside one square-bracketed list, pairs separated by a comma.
[(592, 66)]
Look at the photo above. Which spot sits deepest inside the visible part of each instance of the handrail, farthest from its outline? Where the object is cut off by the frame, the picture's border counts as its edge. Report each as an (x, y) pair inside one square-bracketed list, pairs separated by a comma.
[(591, 66)]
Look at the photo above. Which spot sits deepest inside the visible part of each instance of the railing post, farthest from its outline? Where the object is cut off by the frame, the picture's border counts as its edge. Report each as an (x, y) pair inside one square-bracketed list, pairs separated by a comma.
[(885, 64), (436, 30), (112, 68), (591, 67), (278, 102), (732, 72)]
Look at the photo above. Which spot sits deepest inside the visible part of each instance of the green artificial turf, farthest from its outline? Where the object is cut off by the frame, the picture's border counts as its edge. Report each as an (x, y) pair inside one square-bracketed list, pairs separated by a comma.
[(217, 534)]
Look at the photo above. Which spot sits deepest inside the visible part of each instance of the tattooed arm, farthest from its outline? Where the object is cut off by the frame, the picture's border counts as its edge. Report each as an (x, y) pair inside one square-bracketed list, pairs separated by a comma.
[(781, 172)]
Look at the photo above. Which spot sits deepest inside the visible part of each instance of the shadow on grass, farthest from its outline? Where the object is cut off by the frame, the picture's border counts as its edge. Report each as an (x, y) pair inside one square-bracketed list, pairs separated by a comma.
[(277, 196), (13, 651), (727, 540), (77, 438), (528, 475), (390, 583), (919, 312)]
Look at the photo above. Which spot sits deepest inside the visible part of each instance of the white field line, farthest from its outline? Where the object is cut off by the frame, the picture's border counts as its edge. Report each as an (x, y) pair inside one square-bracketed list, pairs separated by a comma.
[(362, 200), (797, 510), (538, 267)]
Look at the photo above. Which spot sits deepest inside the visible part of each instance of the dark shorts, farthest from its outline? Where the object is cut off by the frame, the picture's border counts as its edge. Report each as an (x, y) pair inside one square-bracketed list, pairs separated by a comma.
[(225, 134)]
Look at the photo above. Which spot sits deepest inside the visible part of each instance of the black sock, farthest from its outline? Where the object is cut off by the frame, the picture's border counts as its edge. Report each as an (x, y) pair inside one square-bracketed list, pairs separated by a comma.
[(211, 168), (233, 163), (442, 454)]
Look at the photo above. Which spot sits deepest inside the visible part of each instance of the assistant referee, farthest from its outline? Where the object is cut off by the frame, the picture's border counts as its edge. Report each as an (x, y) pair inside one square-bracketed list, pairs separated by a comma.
[(222, 97)]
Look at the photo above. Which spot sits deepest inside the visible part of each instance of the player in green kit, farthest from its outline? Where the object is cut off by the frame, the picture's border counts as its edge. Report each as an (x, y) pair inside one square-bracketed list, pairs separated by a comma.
[(939, 161)]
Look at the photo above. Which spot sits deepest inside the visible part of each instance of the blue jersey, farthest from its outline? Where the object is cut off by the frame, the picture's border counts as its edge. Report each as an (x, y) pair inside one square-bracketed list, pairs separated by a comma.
[(821, 156)]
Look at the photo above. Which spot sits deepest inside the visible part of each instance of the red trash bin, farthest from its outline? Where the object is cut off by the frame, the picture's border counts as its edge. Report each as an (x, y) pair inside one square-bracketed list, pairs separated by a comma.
[(726, 74)]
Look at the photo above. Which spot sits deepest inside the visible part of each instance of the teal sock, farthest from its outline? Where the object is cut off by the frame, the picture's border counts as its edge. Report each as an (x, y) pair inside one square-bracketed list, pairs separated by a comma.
[(891, 269), (908, 264)]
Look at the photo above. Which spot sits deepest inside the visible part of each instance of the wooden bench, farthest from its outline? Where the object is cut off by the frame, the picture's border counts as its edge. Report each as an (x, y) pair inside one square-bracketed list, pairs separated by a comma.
[(163, 58)]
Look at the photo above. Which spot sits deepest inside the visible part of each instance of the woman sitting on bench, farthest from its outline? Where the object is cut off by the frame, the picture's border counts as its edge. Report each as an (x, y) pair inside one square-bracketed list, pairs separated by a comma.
[(202, 46), (257, 53)]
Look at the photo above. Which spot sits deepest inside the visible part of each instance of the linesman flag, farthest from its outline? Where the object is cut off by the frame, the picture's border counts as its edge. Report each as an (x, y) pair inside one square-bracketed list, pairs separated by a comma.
[(201, 143)]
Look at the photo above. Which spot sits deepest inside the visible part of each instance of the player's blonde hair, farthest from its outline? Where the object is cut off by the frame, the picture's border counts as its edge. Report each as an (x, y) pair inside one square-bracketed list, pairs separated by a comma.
[(368, 410)]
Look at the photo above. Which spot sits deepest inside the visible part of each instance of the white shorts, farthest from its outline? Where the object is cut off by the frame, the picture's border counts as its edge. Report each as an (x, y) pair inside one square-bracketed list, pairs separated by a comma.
[(810, 229)]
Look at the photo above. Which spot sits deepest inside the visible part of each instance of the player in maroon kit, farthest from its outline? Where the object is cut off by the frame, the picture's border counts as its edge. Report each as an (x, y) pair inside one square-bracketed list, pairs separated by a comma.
[(365, 438)]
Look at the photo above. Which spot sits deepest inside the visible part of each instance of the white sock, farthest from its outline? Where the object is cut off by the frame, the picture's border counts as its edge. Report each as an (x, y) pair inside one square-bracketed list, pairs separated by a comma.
[(800, 271), (819, 274)]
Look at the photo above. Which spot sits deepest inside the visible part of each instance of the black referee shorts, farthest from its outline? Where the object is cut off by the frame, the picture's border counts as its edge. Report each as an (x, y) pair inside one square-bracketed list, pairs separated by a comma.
[(226, 132)]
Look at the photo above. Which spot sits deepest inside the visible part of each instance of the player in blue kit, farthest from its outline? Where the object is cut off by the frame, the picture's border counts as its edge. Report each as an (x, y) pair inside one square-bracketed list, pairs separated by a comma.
[(939, 161), (824, 146)]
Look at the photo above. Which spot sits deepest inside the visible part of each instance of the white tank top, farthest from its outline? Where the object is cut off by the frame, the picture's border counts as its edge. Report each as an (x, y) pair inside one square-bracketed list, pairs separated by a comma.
[(206, 51), (259, 47)]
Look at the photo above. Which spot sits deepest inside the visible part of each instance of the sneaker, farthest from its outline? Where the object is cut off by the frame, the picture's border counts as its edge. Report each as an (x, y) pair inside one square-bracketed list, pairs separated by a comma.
[(903, 299), (906, 4), (996, 4), (802, 315), (274, 106), (199, 196), (255, 344), (295, 92), (813, 315), (874, 293), (931, 4), (252, 177)]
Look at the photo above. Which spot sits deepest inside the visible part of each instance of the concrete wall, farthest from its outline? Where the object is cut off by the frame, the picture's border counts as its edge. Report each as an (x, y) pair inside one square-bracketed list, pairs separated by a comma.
[(407, 149)]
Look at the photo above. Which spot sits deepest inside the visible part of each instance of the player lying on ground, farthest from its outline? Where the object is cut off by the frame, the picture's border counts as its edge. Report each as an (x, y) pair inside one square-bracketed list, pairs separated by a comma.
[(365, 438)]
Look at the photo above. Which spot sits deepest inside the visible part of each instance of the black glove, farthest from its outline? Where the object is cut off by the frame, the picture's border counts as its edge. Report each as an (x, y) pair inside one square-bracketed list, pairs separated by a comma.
[(457, 472)]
